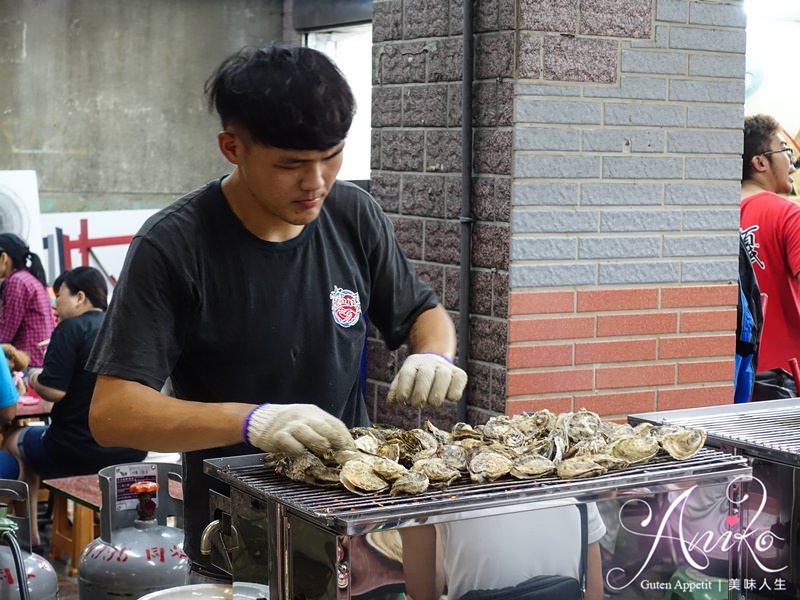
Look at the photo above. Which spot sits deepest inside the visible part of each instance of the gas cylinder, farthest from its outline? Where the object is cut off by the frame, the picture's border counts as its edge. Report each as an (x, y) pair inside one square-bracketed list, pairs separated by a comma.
[(41, 578), (137, 552)]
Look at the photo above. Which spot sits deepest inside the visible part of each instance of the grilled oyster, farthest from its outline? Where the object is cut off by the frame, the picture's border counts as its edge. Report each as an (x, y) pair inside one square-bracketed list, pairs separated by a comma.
[(579, 466), (501, 429), (426, 439), (455, 456), (542, 446), (439, 474), (545, 419), (359, 477), (413, 482), (302, 468), (388, 469), (468, 443), (635, 449), (374, 432), (408, 443), (583, 425), (681, 443), (587, 447), (488, 466), (368, 443), (462, 430), (612, 431), (341, 457), (390, 450), (532, 465), (609, 462), (443, 437)]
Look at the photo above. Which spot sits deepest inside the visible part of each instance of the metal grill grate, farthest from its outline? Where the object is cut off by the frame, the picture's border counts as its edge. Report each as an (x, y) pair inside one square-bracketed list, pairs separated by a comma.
[(348, 513), (763, 429)]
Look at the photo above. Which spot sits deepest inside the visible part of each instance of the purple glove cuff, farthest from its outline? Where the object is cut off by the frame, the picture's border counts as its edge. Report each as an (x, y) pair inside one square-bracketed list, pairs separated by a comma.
[(439, 355), (246, 424)]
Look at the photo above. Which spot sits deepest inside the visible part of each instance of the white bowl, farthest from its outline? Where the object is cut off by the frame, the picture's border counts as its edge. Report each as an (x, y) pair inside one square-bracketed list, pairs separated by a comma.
[(212, 591)]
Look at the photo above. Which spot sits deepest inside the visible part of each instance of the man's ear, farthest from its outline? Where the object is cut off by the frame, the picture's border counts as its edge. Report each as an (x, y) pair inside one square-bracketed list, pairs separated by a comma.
[(230, 145), (759, 163)]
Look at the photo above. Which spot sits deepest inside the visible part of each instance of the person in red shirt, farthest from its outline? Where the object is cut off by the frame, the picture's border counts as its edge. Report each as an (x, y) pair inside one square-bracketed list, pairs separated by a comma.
[(770, 228), (26, 313)]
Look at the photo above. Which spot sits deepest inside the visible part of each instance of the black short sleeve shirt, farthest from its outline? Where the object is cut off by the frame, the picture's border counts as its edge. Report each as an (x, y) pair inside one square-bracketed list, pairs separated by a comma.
[(231, 317)]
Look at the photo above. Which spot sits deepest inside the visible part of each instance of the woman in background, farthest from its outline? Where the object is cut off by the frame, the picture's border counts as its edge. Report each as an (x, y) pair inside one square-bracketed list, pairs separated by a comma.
[(26, 313), (66, 447)]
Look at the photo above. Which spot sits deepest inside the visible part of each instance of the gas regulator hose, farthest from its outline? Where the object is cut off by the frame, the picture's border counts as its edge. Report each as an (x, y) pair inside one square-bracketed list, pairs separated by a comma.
[(19, 564)]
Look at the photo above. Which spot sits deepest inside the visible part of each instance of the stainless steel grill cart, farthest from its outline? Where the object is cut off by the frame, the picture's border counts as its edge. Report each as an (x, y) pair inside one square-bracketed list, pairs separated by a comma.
[(768, 435), (302, 540)]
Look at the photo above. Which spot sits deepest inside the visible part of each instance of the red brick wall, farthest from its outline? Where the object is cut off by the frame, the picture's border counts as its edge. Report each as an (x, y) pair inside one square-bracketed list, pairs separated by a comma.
[(621, 351)]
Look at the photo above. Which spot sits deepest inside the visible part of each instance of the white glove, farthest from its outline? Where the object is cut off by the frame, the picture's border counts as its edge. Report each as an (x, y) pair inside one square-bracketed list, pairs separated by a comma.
[(427, 378), (291, 428)]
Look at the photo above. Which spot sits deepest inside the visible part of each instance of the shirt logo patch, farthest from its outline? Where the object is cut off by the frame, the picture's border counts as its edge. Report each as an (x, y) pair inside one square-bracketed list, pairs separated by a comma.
[(345, 306)]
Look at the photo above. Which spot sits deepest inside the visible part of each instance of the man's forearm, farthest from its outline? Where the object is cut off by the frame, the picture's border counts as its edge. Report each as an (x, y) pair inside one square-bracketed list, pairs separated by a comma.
[(433, 331), (45, 392), (129, 414)]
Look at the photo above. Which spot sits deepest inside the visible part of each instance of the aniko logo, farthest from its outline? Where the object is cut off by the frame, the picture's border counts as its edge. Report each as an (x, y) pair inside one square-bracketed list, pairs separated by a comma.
[(696, 539)]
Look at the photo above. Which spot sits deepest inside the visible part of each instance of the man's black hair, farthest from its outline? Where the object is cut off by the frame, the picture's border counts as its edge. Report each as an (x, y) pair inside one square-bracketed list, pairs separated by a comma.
[(758, 133), (291, 98), (88, 280)]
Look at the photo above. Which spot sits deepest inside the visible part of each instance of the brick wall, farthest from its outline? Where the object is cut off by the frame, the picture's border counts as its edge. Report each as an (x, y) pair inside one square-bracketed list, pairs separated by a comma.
[(606, 144), (416, 174), (627, 139)]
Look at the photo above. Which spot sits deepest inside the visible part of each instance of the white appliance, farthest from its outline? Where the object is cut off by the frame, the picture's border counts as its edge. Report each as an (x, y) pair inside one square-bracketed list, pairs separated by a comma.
[(19, 208)]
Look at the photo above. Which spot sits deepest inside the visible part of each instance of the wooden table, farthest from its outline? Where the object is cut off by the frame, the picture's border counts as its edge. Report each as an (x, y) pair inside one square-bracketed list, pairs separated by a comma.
[(71, 538)]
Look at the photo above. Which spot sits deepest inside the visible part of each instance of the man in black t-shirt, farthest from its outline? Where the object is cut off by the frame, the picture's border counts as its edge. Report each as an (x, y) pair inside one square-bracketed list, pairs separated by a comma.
[(254, 290)]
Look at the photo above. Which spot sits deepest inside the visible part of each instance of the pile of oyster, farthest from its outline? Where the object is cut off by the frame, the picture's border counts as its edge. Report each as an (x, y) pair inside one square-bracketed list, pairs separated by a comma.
[(525, 446)]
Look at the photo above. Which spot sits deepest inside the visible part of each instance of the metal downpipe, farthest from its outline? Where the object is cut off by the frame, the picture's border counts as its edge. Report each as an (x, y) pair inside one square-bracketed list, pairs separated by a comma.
[(466, 218)]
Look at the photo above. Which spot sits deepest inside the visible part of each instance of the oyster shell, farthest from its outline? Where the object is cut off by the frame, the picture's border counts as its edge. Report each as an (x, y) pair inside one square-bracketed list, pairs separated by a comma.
[(583, 425), (304, 467), (388, 469), (462, 430), (579, 466), (368, 443), (360, 478), (542, 446), (455, 456), (390, 450), (439, 474), (295, 467), (612, 431), (545, 419), (408, 443), (489, 466), (532, 465), (413, 482), (681, 443), (443, 437), (587, 447), (609, 462), (635, 448), (426, 439), (501, 429), (528, 425)]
